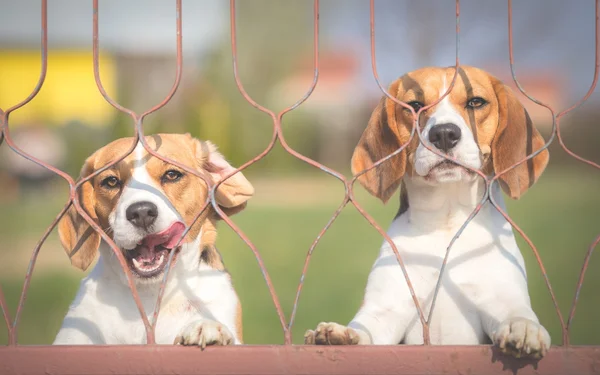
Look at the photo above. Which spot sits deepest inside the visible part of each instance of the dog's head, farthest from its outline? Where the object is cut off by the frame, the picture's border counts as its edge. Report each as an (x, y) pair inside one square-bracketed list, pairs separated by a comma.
[(145, 204), (480, 122)]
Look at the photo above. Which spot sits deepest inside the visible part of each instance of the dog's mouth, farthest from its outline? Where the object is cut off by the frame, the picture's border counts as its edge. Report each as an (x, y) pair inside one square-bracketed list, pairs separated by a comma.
[(149, 258), (446, 166)]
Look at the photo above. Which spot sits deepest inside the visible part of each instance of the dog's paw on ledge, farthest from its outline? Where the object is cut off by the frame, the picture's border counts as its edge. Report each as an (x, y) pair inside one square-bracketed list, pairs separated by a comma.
[(204, 333), (521, 337), (331, 334)]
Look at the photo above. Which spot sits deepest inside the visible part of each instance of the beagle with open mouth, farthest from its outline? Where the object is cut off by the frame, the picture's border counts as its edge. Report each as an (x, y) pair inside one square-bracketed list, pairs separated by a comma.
[(483, 296), (145, 204)]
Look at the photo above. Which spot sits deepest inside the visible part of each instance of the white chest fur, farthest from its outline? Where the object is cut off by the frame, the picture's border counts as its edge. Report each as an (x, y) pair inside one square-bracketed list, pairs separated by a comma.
[(104, 311), (478, 261), (484, 279)]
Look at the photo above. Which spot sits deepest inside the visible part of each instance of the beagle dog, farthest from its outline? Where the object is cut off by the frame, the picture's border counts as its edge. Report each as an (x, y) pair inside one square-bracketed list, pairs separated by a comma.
[(145, 204), (483, 296)]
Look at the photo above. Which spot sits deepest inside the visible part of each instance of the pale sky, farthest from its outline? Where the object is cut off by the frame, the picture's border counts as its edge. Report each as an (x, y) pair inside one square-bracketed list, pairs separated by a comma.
[(549, 34)]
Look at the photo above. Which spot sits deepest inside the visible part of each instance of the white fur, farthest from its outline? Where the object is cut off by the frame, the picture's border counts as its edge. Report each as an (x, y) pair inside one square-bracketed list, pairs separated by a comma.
[(483, 289), (196, 295), (484, 282)]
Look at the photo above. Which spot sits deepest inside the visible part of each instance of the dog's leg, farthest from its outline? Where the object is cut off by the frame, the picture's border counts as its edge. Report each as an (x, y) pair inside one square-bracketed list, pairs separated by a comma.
[(81, 325), (203, 332), (216, 323), (383, 317), (512, 325)]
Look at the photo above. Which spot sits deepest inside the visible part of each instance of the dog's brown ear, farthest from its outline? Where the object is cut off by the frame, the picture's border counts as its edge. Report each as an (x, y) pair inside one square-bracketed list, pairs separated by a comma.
[(380, 139), (77, 237), (515, 139), (232, 195)]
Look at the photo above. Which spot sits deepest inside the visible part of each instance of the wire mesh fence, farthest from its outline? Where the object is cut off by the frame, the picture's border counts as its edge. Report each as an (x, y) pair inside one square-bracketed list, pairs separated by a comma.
[(288, 358)]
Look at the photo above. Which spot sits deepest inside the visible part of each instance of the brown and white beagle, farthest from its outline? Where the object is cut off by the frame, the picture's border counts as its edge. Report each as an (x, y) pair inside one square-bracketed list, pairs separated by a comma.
[(145, 205), (483, 296)]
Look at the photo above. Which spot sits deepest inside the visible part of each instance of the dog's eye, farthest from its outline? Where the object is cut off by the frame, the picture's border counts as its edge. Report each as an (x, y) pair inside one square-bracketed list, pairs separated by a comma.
[(110, 182), (476, 102), (171, 176), (416, 105)]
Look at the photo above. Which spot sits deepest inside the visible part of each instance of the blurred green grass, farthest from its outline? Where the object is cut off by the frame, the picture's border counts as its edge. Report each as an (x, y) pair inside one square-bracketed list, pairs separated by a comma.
[(560, 215)]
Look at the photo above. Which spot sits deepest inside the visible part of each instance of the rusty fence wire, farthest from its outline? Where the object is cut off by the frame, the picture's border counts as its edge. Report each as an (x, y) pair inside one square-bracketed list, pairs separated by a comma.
[(290, 358)]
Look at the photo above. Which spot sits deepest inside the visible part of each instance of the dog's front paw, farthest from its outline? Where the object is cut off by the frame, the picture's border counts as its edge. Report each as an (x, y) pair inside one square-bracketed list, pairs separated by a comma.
[(331, 334), (204, 332), (522, 337)]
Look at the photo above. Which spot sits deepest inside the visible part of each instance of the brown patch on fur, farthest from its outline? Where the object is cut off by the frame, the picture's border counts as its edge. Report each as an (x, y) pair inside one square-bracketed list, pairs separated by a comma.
[(209, 253), (404, 204)]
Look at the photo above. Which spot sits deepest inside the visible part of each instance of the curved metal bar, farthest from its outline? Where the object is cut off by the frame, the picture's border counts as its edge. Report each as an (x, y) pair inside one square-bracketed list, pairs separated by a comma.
[(29, 273), (2, 121), (308, 258), (236, 74), (308, 160), (44, 64), (586, 262), (208, 183), (7, 318), (586, 96), (118, 253), (588, 254), (5, 135), (179, 68), (315, 61), (495, 178), (96, 57), (390, 242), (163, 283), (416, 116), (379, 162), (596, 66), (447, 255), (434, 150), (150, 336), (363, 212), (276, 132)]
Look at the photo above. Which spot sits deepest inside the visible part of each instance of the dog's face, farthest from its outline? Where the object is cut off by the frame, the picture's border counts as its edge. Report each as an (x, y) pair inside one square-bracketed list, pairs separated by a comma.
[(145, 204), (480, 123)]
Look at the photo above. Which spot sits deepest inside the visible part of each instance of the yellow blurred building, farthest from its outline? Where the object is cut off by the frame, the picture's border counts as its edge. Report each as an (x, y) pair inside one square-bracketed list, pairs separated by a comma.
[(69, 92)]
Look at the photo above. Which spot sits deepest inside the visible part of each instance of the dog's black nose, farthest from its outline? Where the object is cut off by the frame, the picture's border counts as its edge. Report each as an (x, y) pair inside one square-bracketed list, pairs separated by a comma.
[(142, 214), (444, 136)]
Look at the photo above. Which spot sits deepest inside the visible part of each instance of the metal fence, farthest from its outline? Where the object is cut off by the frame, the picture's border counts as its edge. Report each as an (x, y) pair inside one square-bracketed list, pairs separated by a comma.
[(287, 358)]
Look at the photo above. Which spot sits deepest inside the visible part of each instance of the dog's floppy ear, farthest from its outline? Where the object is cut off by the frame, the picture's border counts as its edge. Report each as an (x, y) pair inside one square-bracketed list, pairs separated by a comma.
[(515, 139), (234, 192), (379, 140), (77, 237)]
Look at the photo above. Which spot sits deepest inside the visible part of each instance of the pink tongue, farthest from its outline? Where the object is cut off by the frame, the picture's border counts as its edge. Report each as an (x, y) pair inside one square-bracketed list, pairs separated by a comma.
[(168, 238)]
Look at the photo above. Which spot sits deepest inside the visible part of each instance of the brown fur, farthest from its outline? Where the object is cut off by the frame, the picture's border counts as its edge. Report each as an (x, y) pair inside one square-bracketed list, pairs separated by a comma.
[(382, 137), (516, 138), (79, 239)]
